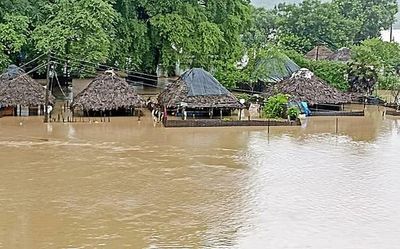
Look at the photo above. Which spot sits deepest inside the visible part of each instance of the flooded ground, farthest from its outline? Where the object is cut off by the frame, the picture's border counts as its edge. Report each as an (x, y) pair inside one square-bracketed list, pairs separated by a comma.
[(129, 185)]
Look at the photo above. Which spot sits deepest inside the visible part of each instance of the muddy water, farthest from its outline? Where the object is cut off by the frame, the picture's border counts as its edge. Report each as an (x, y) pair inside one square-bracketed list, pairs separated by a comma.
[(129, 185)]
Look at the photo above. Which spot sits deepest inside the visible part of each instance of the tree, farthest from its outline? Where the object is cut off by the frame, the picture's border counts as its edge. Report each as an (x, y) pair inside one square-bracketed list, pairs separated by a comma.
[(312, 22), (371, 16), (79, 29), (13, 36), (381, 57), (262, 29)]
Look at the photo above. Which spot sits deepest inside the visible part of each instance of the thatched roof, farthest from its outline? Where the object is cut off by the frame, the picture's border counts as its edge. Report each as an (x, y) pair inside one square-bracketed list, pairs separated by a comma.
[(17, 88), (107, 92), (198, 89), (305, 86), (319, 53), (343, 54)]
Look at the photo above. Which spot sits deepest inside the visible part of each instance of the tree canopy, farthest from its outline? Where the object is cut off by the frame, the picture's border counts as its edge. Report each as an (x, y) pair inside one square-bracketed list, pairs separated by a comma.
[(144, 35)]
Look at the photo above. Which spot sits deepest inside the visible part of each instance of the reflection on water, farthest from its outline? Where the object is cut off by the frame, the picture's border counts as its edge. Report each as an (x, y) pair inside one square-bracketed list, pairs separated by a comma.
[(129, 185)]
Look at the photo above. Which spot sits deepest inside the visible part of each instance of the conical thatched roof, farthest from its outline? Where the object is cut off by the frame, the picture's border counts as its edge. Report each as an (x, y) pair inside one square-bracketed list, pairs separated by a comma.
[(319, 53), (17, 88), (305, 86), (343, 54), (107, 92), (198, 89)]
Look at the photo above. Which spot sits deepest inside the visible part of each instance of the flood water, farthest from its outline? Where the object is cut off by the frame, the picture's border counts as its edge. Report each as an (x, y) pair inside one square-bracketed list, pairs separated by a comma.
[(128, 185)]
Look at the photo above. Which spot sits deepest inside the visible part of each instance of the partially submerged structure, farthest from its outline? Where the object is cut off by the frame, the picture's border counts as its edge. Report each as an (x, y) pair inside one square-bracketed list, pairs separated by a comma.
[(275, 69), (20, 94), (319, 52), (304, 86), (341, 55), (197, 89), (108, 94)]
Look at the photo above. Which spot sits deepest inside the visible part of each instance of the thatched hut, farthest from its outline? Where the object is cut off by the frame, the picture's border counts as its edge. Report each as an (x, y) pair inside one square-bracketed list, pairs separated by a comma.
[(304, 86), (319, 53), (197, 89), (275, 69), (19, 91), (108, 93), (342, 55)]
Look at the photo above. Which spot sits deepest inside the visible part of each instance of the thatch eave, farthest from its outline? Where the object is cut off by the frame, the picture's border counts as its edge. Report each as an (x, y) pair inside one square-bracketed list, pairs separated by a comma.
[(18, 88), (310, 89), (178, 93), (107, 92)]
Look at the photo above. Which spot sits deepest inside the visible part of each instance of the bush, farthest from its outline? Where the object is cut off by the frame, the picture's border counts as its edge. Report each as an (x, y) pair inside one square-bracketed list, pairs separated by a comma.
[(293, 113), (276, 106)]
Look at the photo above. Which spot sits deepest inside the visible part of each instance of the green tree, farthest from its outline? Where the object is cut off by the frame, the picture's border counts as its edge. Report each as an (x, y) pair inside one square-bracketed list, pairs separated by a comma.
[(371, 16), (80, 29), (262, 29), (381, 57), (13, 36), (312, 22)]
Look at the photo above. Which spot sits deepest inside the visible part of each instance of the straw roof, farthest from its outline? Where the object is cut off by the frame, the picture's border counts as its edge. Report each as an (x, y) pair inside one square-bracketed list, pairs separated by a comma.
[(107, 92), (18, 88), (198, 89), (319, 53), (343, 54), (305, 86)]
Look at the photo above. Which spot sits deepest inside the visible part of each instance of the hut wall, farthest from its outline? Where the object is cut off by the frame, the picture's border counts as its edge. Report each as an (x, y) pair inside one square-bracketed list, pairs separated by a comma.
[(222, 123)]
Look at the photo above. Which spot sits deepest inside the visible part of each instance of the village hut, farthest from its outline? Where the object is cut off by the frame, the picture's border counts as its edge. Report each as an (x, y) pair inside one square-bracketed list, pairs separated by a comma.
[(319, 52), (304, 86), (197, 89), (108, 93), (18, 91), (342, 55), (275, 69)]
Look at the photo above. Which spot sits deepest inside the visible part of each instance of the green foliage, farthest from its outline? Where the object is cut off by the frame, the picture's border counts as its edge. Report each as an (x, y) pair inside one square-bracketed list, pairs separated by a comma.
[(312, 22), (382, 57), (370, 16), (293, 112), (377, 53), (13, 36), (86, 34), (362, 78), (276, 106), (262, 29)]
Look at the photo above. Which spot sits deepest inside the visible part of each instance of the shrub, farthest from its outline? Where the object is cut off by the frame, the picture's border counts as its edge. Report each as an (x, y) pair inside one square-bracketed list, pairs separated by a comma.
[(293, 113), (276, 106)]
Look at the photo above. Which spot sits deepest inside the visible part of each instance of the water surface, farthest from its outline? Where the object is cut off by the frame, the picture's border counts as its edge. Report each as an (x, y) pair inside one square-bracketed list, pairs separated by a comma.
[(126, 184)]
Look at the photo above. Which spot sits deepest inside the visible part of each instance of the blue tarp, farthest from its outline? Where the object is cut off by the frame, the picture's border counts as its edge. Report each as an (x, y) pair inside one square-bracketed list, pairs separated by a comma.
[(202, 83), (276, 69), (305, 109)]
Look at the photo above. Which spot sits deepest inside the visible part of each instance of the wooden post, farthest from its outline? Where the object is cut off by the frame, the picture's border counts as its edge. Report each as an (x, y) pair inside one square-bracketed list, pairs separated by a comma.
[(337, 125), (46, 100)]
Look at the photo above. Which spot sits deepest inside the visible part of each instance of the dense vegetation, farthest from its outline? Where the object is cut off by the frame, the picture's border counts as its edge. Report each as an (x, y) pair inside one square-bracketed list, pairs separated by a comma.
[(143, 34)]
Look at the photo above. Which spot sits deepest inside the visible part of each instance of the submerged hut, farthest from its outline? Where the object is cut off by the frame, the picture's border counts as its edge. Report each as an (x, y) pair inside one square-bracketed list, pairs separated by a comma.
[(197, 89), (20, 94), (342, 55), (304, 86), (110, 94), (319, 53), (275, 69)]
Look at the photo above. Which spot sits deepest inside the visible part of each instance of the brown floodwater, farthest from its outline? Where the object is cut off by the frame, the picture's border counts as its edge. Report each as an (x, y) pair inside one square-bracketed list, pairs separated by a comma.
[(126, 184)]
